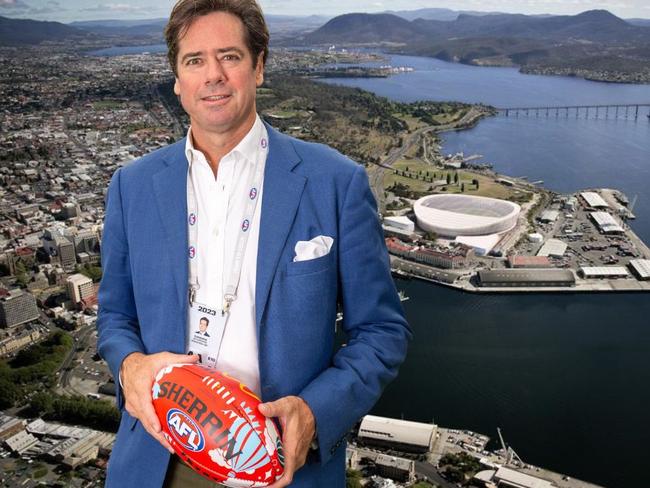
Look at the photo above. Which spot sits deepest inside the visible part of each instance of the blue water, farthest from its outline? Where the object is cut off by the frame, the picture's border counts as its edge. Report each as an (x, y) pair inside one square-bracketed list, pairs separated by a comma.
[(566, 377)]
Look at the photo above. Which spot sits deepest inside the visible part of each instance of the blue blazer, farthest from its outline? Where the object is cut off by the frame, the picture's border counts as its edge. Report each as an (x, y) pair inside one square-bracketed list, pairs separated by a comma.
[(309, 190)]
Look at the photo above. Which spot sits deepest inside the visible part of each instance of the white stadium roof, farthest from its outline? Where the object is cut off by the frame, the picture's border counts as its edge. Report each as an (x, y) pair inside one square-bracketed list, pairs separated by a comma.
[(594, 199), (466, 215), (395, 430)]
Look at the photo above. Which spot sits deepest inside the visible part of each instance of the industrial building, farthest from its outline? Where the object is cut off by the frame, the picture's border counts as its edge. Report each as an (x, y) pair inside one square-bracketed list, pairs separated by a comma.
[(509, 478), (603, 272), (464, 215), (606, 223), (529, 262), (513, 278), (641, 268), (397, 434), (554, 248), (594, 200)]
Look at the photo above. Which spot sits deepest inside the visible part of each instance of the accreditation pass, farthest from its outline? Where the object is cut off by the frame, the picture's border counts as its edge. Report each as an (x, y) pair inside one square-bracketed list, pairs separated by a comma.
[(207, 325)]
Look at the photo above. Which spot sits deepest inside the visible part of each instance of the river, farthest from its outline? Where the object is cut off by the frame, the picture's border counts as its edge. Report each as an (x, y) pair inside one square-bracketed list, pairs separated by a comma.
[(566, 377)]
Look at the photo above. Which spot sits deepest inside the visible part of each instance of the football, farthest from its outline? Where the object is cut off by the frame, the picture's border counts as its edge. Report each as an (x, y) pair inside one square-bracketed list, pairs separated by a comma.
[(213, 423)]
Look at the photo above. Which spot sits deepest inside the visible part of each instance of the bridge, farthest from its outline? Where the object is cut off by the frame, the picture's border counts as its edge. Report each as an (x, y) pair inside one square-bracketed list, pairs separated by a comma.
[(624, 111)]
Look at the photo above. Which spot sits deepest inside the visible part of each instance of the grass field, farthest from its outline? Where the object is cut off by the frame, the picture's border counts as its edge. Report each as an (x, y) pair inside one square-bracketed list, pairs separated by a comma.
[(416, 170)]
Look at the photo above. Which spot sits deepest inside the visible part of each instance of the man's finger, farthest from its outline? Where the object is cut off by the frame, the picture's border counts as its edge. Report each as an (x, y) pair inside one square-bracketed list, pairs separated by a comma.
[(172, 358), (150, 417), (274, 409)]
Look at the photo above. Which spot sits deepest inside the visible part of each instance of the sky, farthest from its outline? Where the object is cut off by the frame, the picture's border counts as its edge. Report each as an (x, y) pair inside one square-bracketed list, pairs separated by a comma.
[(71, 10)]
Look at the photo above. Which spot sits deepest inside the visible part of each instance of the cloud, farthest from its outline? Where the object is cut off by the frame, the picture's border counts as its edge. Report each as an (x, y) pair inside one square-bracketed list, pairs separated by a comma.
[(13, 5)]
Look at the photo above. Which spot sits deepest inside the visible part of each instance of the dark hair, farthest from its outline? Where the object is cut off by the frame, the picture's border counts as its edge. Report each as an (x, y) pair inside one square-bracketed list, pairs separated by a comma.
[(206, 320), (248, 11)]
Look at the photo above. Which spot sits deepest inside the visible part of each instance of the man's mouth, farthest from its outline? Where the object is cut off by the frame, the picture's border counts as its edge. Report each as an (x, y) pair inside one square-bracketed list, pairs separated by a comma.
[(215, 98)]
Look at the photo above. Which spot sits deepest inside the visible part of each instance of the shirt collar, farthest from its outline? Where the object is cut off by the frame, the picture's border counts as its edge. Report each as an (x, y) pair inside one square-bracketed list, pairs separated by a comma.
[(245, 150)]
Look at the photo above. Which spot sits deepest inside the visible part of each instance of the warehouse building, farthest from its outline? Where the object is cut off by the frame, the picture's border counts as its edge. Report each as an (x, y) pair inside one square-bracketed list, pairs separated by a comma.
[(402, 435), (603, 272), (606, 223), (515, 278), (641, 268), (554, 248), (594, 200)]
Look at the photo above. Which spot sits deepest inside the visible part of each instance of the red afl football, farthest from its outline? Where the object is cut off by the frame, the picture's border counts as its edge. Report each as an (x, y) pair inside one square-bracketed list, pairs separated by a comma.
[(213, 423)]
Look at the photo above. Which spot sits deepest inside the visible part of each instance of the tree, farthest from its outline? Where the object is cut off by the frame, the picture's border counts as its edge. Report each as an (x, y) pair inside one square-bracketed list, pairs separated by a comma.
[(448, 178), (353, 479), (456, 177), (462, 188)]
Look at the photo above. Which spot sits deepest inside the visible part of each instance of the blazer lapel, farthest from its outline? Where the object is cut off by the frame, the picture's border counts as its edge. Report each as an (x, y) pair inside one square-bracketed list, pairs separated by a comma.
[(170, 188), (280, 198)]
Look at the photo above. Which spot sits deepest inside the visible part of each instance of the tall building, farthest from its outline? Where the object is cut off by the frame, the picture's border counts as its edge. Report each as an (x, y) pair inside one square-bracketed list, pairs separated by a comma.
[(56, 244), (17, 307), (80, 289)]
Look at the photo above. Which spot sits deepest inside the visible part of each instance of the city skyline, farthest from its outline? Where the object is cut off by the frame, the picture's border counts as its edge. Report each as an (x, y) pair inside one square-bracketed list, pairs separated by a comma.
[(78, 10)]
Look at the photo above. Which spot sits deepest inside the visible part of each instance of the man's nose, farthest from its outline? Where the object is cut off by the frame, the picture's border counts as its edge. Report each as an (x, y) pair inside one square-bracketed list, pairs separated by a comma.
[(215, 72)]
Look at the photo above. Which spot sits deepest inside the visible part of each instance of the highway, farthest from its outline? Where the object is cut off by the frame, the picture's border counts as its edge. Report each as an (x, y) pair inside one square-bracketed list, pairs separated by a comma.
[(376, 173)]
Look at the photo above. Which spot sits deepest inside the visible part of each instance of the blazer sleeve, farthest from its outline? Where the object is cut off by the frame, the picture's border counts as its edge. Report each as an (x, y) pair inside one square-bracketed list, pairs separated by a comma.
[(117, 322), (373, 320)]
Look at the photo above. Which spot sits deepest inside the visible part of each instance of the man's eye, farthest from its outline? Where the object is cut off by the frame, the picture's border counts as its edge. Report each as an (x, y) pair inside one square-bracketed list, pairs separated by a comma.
[(193, 61), (230, 57)]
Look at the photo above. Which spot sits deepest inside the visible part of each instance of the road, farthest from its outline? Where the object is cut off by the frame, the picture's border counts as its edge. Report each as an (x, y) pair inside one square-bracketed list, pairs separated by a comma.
[(376, 173)]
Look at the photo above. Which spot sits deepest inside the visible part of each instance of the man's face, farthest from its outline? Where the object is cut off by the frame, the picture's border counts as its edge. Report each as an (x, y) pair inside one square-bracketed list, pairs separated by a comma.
[(216, 80), (203, 325)]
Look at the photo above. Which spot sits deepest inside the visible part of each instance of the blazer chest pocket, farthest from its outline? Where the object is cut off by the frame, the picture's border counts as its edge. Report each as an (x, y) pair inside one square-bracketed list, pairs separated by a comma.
[(310, 266)]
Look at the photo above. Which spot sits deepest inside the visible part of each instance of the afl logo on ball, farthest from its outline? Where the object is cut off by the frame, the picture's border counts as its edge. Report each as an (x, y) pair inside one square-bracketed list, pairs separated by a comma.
[(185, 430)]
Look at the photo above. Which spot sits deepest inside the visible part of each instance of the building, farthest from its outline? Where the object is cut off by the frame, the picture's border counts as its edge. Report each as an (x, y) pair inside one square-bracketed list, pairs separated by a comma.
[(464, 215), (515, 278), (641, 268), (509, 478), (396, 468), (593, 199), (58, 245), (10, 426), (403, 435), (448, 258), (549, 216), (81, 289), (603, 272), (17, 307), (552, 247), (21, 442), (13, 343), (400, 222), (606, 223), (529, 262)]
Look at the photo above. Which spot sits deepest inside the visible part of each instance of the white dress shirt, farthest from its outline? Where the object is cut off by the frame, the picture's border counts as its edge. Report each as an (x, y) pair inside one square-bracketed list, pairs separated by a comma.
[(218, 223)]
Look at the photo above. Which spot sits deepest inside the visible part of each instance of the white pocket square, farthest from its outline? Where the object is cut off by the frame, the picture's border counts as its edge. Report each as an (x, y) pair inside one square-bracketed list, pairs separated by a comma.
[(315, 248)]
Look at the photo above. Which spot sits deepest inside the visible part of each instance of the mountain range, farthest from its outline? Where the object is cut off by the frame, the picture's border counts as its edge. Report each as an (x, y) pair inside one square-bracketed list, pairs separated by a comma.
[(594, 44), (593, 26)]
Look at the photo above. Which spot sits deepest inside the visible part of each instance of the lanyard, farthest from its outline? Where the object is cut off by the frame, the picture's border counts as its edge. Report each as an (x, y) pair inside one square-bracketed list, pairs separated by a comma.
[(230, 281)]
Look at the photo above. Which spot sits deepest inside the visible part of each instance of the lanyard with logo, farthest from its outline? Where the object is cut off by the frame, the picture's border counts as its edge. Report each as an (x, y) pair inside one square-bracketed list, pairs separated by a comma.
[(207, 321)]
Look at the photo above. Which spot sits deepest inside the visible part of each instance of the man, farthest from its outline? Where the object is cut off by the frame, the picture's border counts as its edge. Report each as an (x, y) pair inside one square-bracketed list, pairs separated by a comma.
[(203, 327), (265, 230)]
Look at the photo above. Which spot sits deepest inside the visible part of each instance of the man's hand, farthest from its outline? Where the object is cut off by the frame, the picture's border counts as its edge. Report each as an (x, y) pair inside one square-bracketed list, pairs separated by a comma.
[(137, 373), (298, 429)]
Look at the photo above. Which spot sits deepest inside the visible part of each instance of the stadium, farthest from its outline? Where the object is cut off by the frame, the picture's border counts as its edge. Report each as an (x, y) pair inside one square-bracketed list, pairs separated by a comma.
[(465, 215)]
